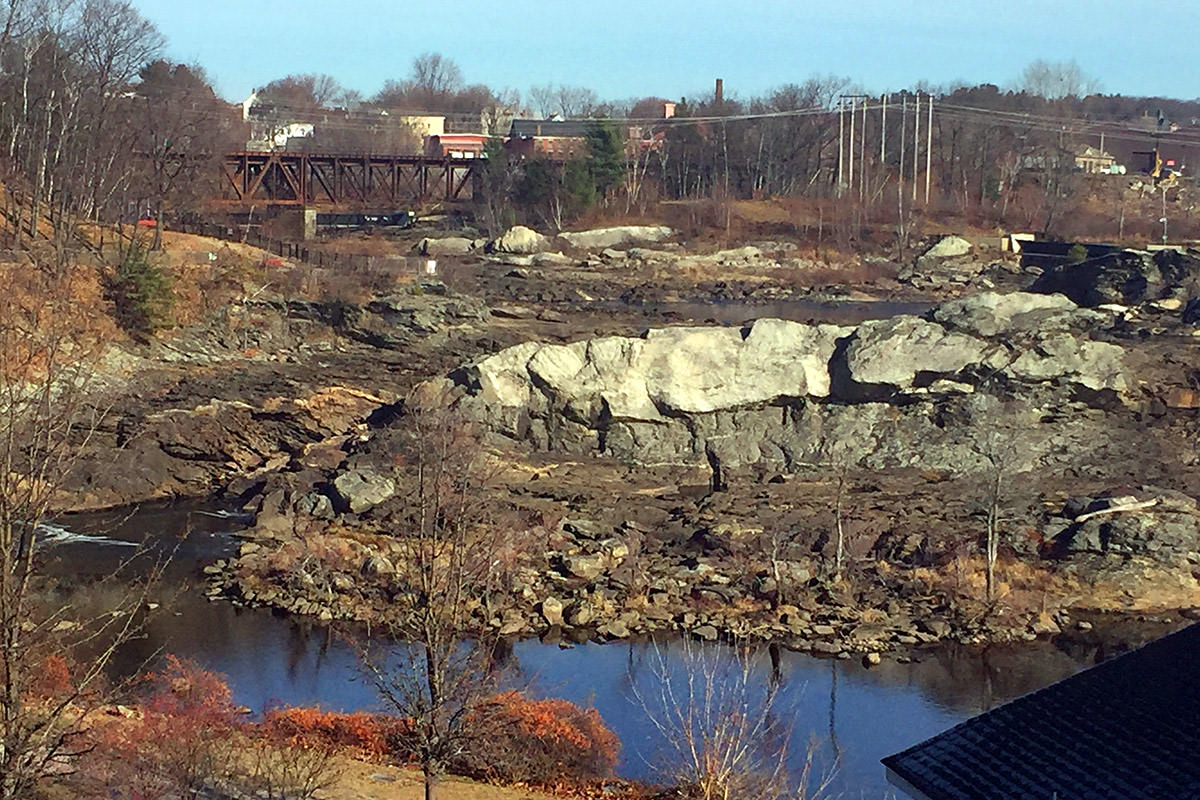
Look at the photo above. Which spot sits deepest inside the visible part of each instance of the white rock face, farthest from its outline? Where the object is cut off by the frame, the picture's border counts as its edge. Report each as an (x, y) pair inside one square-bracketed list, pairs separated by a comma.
[(1095, 365), (894, 351), (782, 351), (364, 489), (694, 370), (503, 377), (620, 236), (677, 395), (521, 241), (681, 370), (552, 260)]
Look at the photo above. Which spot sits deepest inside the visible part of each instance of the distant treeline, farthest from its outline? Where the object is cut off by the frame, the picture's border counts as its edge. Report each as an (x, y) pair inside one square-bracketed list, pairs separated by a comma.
[(96, 126)]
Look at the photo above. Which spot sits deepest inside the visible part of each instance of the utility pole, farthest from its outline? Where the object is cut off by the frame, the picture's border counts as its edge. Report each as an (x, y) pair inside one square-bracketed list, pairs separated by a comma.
[(928, 148), (841, 141), (903, 130), (901, 232), (862, 159), (853, 109), (916, 143), (883, 130)]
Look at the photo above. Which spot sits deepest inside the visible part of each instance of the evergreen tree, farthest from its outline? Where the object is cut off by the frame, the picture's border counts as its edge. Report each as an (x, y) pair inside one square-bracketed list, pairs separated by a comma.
[(606, 156)]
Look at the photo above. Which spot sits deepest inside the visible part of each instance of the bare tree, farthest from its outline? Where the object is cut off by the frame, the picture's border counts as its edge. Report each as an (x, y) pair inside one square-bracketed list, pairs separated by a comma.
[(1055, 80), (303, 92), (575, 101), (46, 423), (434, 76), (843, 470), (541, 100), (454, 565), (181, 133), (999, 450), (67, 66), (569, 101)]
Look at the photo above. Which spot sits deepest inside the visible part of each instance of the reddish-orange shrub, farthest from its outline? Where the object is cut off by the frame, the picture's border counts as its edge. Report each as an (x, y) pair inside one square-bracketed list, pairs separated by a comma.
[(52, 677), (184, 694), (369, 734), (182, 741), (539, 741)]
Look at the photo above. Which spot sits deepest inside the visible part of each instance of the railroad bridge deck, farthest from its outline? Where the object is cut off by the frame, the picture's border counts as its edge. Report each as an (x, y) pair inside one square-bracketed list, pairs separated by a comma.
[(329, 179)]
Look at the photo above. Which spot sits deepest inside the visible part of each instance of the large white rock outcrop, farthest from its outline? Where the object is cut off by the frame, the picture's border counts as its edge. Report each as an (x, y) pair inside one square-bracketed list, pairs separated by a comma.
[(670, 370), (948, 247), (787, 390)]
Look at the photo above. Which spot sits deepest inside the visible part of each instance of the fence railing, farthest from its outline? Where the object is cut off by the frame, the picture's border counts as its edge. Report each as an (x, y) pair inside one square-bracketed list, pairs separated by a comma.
[(295, 251)]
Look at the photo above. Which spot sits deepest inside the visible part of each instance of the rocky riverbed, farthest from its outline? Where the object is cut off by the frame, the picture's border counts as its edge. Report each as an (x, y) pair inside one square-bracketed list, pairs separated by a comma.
[(692, 477)]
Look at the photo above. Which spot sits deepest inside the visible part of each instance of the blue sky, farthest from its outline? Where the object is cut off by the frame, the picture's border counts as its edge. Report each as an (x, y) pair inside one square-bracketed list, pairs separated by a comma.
[(675, 48)]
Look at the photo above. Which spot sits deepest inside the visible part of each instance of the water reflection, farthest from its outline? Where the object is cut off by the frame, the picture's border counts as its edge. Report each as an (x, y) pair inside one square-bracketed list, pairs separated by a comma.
[(856, 714)]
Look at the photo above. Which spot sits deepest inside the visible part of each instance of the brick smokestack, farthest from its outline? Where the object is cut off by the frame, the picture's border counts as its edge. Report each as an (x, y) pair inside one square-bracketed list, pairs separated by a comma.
[(719, 94)]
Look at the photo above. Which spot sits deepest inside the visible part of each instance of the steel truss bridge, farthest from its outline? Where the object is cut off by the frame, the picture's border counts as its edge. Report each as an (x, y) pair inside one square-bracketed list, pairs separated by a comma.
[(325, 179)]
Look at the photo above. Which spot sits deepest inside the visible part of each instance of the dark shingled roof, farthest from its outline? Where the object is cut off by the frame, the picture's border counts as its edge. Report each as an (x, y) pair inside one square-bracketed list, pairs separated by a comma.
[(529, 128), (1128, 729)]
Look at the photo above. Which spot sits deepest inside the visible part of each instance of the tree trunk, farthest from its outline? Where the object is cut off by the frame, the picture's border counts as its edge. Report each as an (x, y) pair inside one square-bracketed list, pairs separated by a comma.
[(837, 516), (993, 535)]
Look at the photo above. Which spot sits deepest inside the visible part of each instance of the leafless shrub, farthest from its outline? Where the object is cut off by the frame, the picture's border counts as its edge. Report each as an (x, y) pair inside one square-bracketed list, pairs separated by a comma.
[(288, 770), (723, 732)]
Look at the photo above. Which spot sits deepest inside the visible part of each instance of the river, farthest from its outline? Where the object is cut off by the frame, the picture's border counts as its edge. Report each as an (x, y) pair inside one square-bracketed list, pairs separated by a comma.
[(856, 715)]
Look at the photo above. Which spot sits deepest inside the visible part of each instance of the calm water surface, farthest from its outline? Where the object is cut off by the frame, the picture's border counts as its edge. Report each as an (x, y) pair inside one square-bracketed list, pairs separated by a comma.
[(857, 715)]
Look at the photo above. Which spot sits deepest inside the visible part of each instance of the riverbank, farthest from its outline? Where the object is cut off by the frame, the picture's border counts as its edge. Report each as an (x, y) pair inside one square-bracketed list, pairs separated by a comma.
[(712, 516), (271, 659)]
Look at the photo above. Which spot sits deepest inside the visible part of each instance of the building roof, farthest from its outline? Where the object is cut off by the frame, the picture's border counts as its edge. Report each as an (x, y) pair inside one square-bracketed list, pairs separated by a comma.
[(1087, 151), (1128, 729), (570, 128)]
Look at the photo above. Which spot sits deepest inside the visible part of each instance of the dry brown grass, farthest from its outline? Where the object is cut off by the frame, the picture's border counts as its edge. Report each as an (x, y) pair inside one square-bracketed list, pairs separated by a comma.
[(45, 315)]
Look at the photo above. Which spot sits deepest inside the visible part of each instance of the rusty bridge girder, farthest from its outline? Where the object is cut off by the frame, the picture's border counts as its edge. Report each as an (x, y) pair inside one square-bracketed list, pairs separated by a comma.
[(326, 179)]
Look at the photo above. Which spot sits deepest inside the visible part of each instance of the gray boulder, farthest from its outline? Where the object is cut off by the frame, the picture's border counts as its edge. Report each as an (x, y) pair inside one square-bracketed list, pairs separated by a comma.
[(1125, 277), (1155, 523), (948, 247), (890, 354), (989, 314), (446, 246), (1094, 365), (585, 566), (363, 489), (621, 236), (521, 241), (552, 611), (943, 263)]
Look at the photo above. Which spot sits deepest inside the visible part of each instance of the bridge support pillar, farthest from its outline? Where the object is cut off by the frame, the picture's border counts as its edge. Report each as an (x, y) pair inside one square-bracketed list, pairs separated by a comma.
[(299, 223)]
